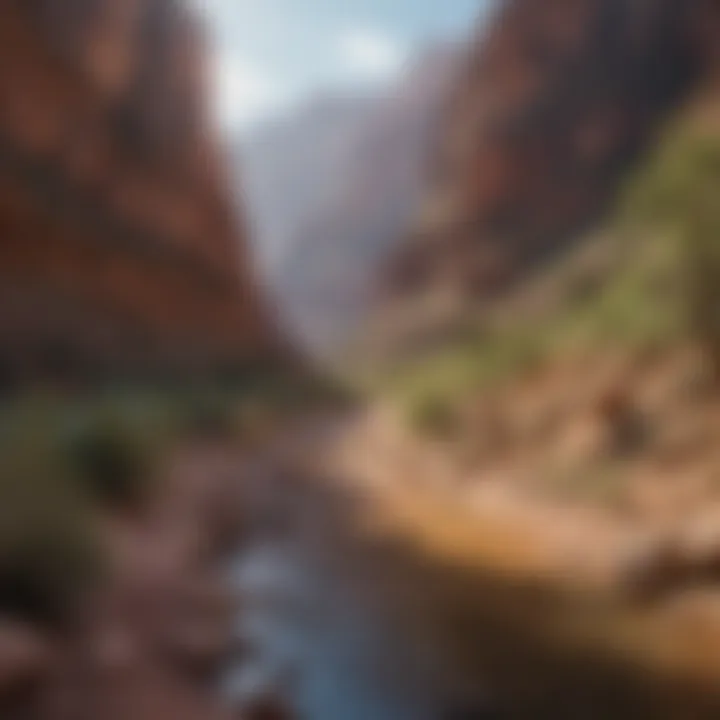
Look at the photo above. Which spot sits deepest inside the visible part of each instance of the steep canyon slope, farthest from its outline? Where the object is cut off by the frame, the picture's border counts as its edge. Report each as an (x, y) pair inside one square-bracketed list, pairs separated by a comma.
[(120, 249), (557, 103)]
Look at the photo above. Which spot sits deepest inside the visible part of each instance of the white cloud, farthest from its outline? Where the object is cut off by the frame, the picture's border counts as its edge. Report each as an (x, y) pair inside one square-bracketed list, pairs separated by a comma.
[(244, 91), (370, 53)]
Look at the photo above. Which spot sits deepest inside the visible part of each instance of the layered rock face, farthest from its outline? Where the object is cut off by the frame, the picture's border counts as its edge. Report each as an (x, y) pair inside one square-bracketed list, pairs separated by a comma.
[(334, 186), (556, 104), (119, 248)]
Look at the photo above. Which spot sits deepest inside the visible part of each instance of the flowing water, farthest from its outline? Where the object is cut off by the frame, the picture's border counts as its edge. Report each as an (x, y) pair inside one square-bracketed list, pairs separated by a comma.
[(318, 623), (332, 655)]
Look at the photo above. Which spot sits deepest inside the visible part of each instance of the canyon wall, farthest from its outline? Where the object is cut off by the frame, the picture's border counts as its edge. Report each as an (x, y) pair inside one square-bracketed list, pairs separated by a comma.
[(557, 102), (120, 248)]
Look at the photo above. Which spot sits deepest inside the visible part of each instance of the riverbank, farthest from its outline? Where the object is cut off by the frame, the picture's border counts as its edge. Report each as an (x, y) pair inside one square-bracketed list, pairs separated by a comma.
[(313, 572)]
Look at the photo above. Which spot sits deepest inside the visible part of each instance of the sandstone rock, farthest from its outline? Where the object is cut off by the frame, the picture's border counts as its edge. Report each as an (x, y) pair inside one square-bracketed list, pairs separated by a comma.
[(557, 102), (672, 566), (120, 246), (587, 440)]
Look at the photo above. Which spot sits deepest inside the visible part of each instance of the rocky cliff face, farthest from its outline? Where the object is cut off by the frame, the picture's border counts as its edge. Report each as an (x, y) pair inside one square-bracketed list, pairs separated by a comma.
[(556, 103), (332, 189), (119, 246)]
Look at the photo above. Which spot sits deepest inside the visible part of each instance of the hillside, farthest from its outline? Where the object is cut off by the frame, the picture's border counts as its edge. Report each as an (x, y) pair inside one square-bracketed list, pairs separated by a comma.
[(557, 104), (120, 248)]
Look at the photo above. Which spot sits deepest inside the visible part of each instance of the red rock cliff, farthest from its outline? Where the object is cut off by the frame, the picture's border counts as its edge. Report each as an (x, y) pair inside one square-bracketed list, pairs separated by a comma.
[(558, 100), (119, 247)]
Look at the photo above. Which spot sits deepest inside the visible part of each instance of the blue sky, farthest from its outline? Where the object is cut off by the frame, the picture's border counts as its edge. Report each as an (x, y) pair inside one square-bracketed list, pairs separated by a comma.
[(273, 53)]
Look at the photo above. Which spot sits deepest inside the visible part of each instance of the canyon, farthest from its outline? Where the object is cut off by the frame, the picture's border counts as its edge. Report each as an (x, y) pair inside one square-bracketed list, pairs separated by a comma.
[(347, 564)]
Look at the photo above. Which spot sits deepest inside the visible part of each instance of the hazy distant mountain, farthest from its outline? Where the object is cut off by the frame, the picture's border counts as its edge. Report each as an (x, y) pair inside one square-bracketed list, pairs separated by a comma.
[(331, 188), (291, 167)]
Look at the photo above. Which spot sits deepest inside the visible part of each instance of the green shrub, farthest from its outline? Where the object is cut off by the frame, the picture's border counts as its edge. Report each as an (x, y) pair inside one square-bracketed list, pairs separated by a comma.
[(49, 554), (676, 195), (434, 416), (111, 461)]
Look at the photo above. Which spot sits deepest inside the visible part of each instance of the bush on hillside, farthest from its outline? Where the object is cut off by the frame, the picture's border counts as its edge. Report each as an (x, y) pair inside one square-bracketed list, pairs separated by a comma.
[(49, 555), (111, 461), (677, 195), (433, 416)]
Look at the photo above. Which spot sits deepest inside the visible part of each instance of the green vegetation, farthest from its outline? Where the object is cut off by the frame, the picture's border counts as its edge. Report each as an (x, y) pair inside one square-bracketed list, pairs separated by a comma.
[(433, 415), (663, 284), (111, 462), (65, 460), (677, 195), (49, 554), (631, 309)]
